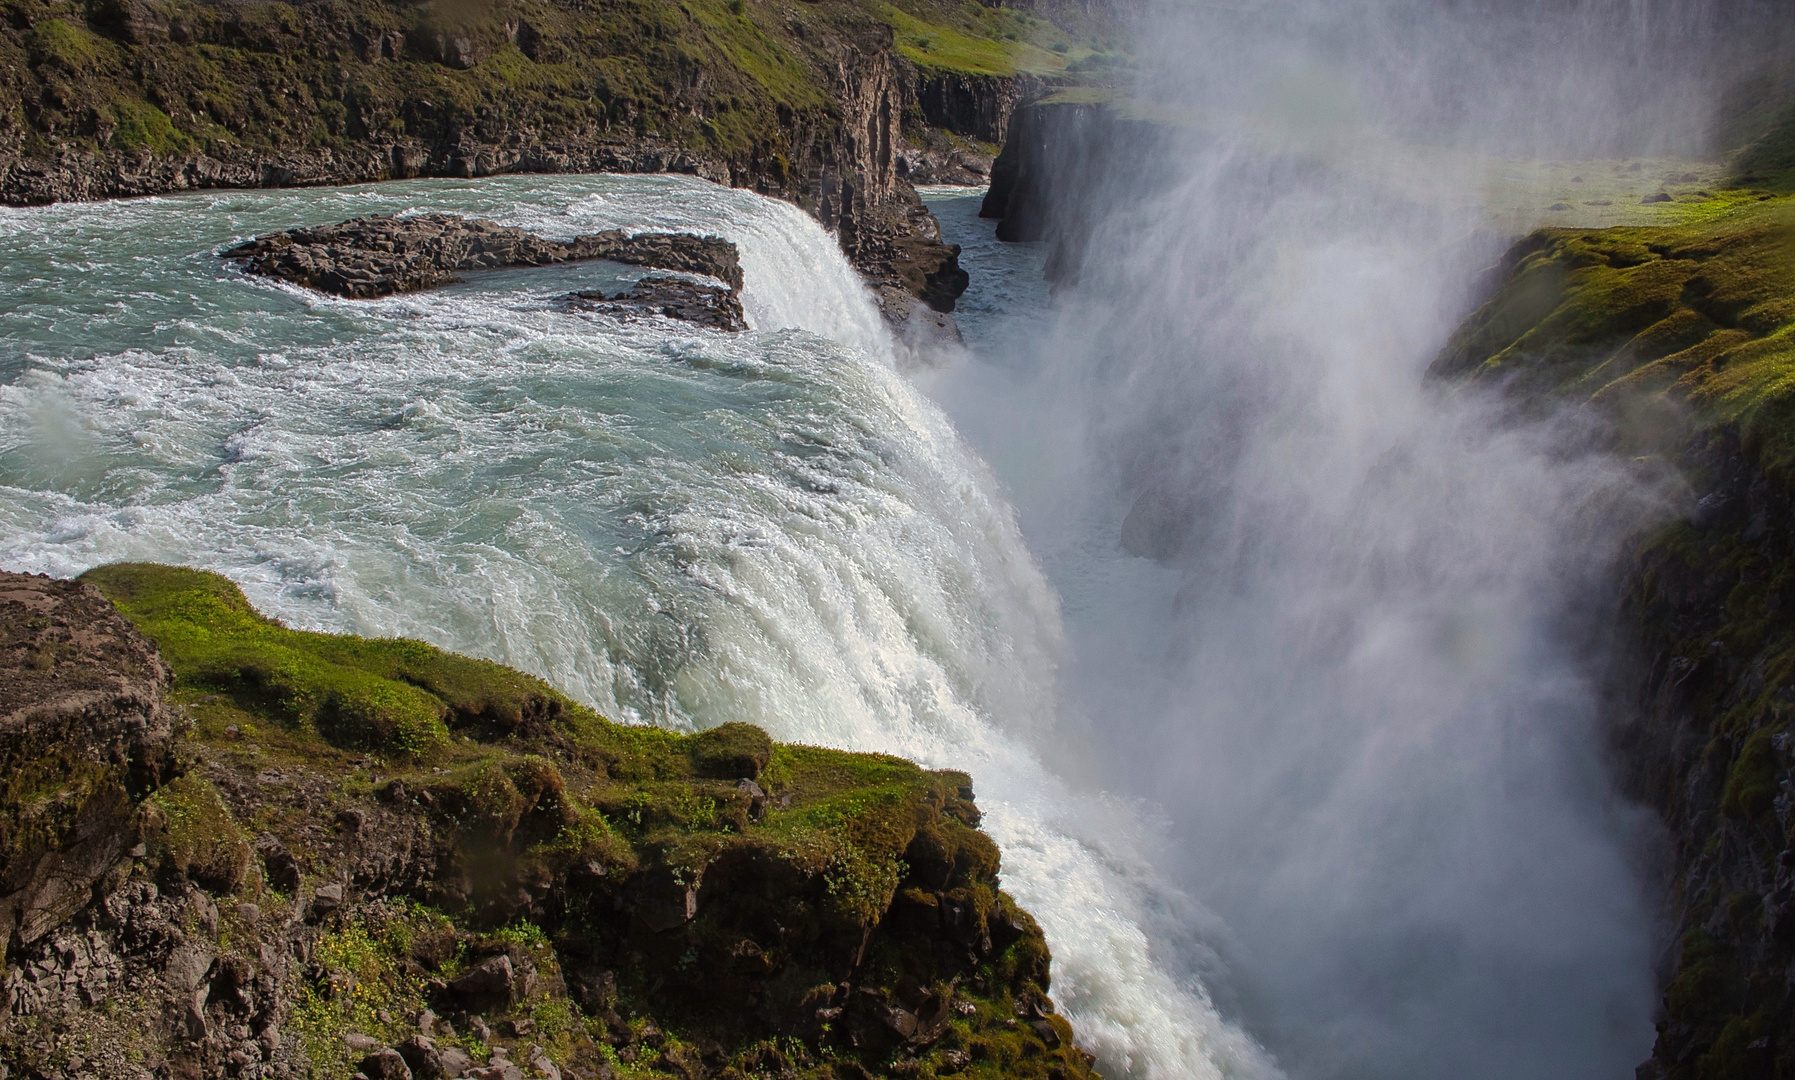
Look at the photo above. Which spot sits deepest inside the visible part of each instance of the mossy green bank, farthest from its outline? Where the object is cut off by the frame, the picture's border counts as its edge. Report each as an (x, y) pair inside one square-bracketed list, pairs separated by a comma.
[(685, 904)]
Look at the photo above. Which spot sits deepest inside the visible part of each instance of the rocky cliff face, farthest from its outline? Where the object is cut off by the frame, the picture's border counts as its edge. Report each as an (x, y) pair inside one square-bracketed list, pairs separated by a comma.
[(83, 735), (319, 856), (1679, 338), (1059, 152), (976, 106)]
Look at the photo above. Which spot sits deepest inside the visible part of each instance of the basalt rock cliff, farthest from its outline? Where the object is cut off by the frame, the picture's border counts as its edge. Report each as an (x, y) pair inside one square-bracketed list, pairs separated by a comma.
[(232, 849)]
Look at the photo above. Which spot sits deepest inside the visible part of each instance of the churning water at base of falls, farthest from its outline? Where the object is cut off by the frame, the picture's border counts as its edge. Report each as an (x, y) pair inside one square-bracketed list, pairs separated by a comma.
[(677, 525)]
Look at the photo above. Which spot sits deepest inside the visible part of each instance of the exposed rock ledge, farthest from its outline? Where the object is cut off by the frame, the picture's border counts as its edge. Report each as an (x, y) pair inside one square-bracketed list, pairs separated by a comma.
[(381, 255), (81, 716)]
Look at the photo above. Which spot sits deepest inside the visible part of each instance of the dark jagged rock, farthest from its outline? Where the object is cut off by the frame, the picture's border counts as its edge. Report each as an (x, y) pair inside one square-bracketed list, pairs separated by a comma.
[(528, 888), (673, 298), (83, 734), (378, 256)]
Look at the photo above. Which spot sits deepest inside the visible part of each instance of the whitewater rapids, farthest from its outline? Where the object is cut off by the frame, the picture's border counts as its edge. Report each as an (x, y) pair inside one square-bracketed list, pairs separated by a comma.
[(677, 525)]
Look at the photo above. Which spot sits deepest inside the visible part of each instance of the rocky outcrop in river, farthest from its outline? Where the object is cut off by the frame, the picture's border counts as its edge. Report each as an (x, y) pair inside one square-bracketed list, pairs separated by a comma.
[(667, 297), (379, 256), (317, 856)]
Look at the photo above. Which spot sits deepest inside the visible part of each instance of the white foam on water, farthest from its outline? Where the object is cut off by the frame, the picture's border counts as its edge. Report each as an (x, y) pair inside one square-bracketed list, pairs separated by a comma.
[(680, 526)]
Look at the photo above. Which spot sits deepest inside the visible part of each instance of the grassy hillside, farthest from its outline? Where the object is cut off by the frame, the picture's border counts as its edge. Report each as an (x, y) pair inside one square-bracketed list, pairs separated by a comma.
[(1681, 330)]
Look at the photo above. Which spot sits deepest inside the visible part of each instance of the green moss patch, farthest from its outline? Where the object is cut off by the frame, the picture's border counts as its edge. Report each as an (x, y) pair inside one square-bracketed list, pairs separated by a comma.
[(145, 127), (976, 40), (59, 43), (1699, 316), (397, 698), (195, 835)]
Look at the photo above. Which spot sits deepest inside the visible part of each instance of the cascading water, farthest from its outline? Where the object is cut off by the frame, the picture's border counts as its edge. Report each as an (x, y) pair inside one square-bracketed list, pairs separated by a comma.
[(680, 526)]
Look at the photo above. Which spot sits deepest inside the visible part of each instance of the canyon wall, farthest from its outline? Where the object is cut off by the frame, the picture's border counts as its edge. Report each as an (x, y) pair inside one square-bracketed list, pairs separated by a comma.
[(1676, 340)]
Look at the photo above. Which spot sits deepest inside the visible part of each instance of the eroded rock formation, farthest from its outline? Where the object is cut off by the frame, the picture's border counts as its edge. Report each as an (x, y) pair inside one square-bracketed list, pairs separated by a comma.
[(672, 298)]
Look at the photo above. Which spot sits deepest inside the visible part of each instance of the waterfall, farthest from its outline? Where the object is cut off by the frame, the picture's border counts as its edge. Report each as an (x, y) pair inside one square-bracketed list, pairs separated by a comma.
[(679, 526)]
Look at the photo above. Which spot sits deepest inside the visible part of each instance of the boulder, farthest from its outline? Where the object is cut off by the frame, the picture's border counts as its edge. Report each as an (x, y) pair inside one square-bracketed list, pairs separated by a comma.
[(454, 1062), (327, 899), (186, 967), (385, 1064), (81, 713), (543, 1067), (497, 980), (421, 1055), (280, 868)]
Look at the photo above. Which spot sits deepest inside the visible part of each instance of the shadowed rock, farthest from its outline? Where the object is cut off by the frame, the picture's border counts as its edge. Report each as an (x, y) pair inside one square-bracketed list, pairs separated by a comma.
[(674, 298), (81, 717)]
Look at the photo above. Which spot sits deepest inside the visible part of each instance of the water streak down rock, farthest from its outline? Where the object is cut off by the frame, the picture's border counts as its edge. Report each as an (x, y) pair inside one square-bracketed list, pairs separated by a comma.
[(382, 255)]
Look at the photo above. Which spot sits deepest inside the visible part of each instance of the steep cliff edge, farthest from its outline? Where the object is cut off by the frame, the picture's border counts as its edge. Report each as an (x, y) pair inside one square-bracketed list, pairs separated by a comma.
[(316, 855), (1681, 339)]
